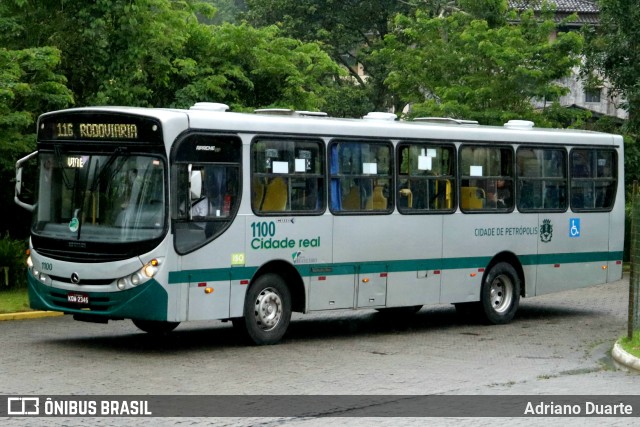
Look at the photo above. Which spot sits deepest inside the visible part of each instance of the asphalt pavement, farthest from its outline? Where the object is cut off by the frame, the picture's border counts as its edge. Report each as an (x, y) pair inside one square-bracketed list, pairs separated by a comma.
[(622, 359)]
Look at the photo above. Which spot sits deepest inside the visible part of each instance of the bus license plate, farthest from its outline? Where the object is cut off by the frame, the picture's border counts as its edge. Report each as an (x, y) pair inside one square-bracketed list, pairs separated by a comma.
[(76, 298)]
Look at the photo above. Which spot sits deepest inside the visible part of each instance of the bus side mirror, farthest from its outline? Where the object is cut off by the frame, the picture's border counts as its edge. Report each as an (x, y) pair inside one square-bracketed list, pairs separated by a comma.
[(18, 191)]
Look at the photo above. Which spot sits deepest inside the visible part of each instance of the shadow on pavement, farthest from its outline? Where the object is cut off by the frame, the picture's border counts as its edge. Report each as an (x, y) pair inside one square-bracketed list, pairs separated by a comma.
[(303, 328)]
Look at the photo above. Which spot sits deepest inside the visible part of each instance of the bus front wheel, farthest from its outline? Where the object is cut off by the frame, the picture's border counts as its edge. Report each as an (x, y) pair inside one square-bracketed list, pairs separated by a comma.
[(500, 294), (267, 310), (155, 327)]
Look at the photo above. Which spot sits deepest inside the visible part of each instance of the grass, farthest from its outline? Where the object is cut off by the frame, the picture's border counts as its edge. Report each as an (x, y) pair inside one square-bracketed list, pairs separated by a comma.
[(631, 346), (14, 300)]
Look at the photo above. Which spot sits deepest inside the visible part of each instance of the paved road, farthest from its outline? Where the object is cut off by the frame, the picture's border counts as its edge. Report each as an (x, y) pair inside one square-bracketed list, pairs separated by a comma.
[(558, 344)]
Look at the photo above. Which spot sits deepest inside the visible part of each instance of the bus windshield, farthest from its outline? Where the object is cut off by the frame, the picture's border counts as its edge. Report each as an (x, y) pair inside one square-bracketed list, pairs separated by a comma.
[(112, 198)]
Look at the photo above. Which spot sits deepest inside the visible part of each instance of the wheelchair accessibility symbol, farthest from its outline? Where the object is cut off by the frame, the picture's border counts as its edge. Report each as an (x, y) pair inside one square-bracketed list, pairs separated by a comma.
[(574, 227)]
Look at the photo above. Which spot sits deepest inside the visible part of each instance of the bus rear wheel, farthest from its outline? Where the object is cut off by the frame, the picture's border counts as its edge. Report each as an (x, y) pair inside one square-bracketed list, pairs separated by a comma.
[(500, 294), (155, 327), (267, 310)]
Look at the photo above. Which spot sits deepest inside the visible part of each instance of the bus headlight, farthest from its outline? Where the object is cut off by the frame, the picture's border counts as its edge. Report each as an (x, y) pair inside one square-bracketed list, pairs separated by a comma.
[(136, 279), (150, 270), (141, 276), (40, 276)]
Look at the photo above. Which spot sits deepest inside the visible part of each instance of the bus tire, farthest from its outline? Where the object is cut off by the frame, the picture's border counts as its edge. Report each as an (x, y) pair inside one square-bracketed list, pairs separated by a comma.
[(155, 327), (500, 294), (267, 310)]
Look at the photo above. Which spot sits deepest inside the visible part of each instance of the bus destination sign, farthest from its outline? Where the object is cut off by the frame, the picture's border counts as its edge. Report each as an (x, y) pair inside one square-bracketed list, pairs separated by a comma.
[(96, 130), (99, 127)]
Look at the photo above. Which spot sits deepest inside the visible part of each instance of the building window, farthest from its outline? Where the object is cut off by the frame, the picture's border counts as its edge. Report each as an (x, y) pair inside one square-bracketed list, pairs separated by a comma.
[(592, 95)]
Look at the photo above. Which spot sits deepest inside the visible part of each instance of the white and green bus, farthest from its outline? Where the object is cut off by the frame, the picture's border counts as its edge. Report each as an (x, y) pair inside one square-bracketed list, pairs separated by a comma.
[(164, 216)]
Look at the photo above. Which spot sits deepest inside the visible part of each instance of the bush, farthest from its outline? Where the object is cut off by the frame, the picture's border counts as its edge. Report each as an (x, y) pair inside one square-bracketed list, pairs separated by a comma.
[(13, 268)]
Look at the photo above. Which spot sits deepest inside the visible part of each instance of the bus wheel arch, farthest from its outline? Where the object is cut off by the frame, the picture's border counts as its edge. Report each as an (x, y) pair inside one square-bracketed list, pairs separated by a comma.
[(502, 286), (514, 261), (292, 279), (270, 299)]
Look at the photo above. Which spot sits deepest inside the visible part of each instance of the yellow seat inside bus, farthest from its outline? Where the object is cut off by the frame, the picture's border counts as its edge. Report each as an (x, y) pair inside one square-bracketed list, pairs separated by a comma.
[(257, 196), (442, 197), (443, 202), (275, 197), (352, 200), (377, 201), (472, 198)]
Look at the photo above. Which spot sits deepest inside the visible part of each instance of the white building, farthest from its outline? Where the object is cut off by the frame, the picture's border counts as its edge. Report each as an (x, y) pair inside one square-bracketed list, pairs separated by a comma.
[(599, 101)]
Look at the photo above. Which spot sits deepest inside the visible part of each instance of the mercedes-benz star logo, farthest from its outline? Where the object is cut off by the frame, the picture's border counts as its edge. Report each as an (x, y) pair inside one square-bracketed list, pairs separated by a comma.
[(75, 278)]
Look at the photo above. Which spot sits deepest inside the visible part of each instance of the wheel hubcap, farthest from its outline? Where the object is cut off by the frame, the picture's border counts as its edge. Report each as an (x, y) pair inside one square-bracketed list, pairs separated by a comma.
[(268, 309), (501, 293)]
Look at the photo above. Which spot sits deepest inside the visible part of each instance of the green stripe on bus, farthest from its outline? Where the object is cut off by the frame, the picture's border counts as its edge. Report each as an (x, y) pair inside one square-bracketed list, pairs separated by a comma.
[(395, 266)]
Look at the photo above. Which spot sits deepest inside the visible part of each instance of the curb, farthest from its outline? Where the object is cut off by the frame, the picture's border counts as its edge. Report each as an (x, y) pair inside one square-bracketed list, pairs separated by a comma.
[(625, 359), (29, 315)]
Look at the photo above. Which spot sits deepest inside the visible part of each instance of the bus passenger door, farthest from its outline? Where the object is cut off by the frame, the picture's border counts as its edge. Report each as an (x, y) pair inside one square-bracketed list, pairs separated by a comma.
[(372, 285)]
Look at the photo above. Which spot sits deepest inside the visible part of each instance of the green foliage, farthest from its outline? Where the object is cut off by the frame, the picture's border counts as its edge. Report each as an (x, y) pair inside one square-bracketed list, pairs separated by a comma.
[(613, 52), (460, 66), (14, 300), (631, 346), (226, 11), (13, 267), (247, 67), (30, 84), (348, 30)]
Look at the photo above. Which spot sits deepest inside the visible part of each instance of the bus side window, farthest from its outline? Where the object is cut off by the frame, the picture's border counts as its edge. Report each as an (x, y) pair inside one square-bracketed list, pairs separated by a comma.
[(542, 179), (361, 173), (425, 177), (487, 178), (287, 175), (593, 179)]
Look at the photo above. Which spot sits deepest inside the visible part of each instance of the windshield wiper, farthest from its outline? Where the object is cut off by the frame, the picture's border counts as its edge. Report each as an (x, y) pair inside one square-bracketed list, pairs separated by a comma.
[(99, 175)]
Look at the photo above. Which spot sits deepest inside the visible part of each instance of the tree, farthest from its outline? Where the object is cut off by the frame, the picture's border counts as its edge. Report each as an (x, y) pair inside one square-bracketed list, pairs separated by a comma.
[(349, 30), (158, 53), (141, 53), (29, 85), (461, 66), (249, 68), (113, 52), (613, 53)]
